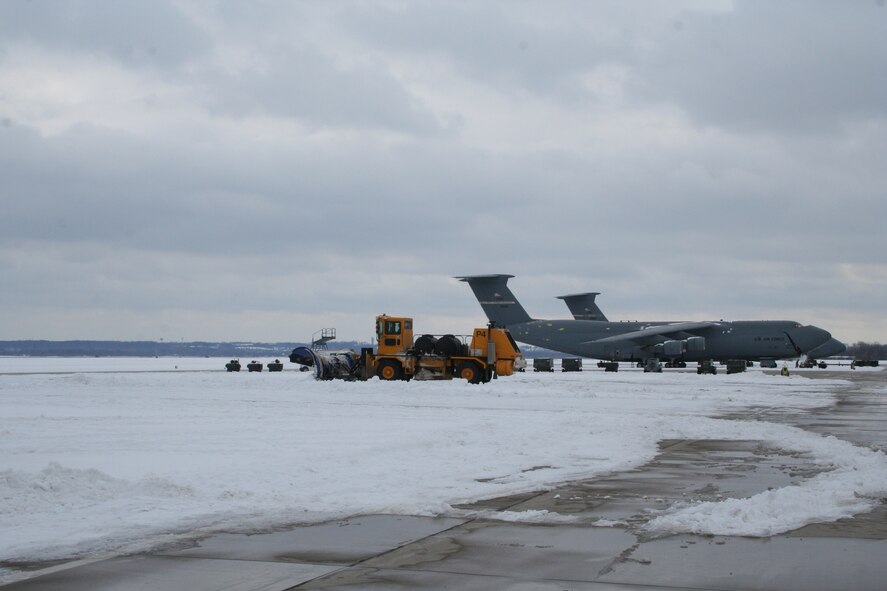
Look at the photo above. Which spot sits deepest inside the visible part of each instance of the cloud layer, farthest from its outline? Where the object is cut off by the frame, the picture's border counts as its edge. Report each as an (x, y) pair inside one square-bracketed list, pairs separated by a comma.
[(256, 171)]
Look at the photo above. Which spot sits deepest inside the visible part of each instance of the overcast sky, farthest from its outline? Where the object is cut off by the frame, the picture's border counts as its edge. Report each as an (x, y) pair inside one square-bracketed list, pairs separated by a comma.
[(221, 170)]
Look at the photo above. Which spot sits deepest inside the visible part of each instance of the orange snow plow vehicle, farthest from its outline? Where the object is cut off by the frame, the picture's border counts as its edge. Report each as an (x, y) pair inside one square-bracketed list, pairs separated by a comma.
[(488, 353)]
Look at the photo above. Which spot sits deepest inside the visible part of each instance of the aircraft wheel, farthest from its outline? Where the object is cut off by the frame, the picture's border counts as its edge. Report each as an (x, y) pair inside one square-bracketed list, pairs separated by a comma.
[(470, 372), (389, 370)]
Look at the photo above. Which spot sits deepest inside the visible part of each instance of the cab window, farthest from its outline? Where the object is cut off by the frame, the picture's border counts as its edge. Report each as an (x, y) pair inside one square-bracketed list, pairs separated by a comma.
[(392, 327)]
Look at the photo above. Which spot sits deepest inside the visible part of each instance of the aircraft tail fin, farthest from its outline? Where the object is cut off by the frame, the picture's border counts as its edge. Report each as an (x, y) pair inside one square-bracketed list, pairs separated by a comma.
[(499, 304), (582, 306)]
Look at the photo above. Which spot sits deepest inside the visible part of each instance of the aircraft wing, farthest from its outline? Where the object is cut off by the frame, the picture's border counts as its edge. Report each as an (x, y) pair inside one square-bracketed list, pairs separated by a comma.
[(656, 333)]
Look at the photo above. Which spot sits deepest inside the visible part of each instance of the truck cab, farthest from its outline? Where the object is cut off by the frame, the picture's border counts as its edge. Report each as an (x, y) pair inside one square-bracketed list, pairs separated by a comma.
[(394, 334)]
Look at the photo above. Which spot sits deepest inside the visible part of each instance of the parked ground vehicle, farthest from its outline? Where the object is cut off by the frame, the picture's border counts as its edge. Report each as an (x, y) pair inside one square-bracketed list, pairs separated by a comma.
[(865, 363), (736, 366), (706, 366), (571, 364), (652, 365), (545, 364), (490, 352)]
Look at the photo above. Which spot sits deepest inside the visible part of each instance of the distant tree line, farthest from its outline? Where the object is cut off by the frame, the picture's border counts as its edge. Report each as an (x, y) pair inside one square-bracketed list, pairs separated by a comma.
[(153, 349), (863, 350), (858, 350), (183, 349)]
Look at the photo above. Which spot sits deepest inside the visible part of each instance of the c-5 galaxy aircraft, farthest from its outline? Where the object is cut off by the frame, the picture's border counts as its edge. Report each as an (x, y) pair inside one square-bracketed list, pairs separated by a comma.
[(591, 335), (583, 307)]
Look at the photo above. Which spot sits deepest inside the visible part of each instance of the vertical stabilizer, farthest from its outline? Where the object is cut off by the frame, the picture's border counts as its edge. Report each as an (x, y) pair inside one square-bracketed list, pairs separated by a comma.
[(496, 299), (582, 306)]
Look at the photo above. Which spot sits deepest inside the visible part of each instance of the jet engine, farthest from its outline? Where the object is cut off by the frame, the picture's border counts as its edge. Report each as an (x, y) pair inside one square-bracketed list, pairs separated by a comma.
[(673, 348), (678, 348), (695, 344)]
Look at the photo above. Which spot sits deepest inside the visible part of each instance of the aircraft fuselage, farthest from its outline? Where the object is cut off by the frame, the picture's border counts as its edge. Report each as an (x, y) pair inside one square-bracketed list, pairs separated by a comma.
[(749, 340)]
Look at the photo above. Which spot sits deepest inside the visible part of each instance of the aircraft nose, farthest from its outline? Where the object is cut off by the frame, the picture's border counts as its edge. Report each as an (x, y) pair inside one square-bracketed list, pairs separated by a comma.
[(809, 337), (832, 347)]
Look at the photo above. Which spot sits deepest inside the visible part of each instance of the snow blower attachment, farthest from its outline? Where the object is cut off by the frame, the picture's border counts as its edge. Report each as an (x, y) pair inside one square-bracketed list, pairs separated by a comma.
[(328, 365)]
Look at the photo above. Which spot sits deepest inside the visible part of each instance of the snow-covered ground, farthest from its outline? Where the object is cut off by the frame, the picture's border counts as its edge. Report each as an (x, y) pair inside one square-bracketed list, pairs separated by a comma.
[(121, 454)]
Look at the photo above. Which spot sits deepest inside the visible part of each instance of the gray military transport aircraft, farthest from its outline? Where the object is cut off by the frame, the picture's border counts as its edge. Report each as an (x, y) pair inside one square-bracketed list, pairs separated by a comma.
[(583, 307), (590, 334)]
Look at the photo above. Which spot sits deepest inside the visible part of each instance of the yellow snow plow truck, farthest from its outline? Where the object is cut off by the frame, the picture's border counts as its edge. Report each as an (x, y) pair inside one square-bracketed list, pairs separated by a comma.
[(488, 353)]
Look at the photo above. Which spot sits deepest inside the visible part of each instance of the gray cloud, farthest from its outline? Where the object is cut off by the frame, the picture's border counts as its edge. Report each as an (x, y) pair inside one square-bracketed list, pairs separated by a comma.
[(519, 51), (758, 66), (303, 83), (795, 66), (142, 32), (280, 173)]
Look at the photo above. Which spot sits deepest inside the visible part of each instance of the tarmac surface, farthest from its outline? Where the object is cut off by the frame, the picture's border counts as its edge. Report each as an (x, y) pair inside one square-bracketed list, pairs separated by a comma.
[(412, 552)]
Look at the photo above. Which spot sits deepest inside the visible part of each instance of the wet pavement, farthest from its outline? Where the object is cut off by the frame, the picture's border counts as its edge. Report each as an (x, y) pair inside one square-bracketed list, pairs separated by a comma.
[(599, 546)]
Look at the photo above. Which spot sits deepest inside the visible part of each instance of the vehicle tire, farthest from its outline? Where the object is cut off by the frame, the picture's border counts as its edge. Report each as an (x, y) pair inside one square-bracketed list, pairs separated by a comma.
[(389, 370), (448, 346), (424, 345), (470, 372)]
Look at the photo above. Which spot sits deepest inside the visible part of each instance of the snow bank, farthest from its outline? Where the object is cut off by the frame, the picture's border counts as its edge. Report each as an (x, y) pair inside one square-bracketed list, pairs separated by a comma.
[(59, 489), (855, 483), (97, 462)]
